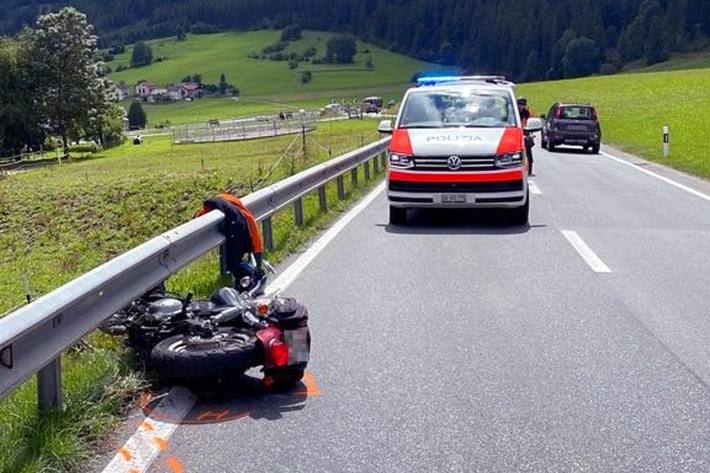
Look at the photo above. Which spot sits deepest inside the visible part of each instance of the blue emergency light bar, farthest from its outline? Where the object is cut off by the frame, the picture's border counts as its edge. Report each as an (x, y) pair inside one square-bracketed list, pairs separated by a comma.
[(436, 80)]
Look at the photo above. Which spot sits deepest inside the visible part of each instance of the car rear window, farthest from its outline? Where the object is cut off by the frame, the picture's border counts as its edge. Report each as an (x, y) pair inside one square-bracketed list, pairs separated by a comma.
[(577, 113)]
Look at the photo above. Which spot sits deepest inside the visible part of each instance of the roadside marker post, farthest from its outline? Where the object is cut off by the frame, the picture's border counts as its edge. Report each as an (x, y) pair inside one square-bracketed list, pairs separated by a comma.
[(666, 142)]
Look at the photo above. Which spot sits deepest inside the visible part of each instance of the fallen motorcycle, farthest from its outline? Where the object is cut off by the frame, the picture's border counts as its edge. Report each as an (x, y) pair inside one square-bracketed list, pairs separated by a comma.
[(184, 340)]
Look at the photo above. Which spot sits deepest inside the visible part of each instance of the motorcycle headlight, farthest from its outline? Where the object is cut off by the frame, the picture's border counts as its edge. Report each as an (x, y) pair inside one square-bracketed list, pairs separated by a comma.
[(509, 160), (401, 161)]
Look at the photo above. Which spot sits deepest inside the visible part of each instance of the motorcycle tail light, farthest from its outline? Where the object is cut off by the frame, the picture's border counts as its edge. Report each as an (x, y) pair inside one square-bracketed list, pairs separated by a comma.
[(279, 354), (262, 309)]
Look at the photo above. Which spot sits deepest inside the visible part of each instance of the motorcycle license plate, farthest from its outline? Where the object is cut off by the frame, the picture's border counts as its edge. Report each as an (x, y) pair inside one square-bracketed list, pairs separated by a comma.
[(297, 343), (453, 198)]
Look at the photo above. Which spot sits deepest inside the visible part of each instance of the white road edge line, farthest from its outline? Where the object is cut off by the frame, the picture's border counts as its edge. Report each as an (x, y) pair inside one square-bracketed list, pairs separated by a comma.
[(658, 176), (152, 435), (291, 273), (585, 252), (141, 446), (534, 188)]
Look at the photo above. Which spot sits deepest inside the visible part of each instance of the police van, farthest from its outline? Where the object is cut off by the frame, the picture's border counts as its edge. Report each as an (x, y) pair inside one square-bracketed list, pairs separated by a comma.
[(458, 142)]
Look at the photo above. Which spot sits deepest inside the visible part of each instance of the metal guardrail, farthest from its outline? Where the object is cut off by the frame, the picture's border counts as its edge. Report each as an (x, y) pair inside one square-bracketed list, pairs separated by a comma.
[(33, 338)]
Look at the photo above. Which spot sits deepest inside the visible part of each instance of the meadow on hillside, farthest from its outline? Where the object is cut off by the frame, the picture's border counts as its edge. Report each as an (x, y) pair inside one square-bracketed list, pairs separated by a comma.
[(213, 54)]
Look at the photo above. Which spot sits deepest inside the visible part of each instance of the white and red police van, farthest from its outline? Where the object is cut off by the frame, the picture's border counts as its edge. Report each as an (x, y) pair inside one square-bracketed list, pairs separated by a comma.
[(458, 142)]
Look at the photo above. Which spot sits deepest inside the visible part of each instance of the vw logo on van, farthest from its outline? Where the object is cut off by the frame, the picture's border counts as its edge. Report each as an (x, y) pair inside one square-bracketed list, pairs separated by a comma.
[(454, 163)]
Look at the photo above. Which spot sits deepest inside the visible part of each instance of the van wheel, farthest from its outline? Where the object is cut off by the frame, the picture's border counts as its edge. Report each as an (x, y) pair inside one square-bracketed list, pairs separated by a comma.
[(595, 149), (520, 215), (550, 147), (398, 216)]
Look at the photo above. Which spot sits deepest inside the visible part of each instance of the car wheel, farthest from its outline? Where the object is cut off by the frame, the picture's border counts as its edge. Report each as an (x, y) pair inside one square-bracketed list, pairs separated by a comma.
[(519, 216), (595, 149), (550, 147), (398, 216)]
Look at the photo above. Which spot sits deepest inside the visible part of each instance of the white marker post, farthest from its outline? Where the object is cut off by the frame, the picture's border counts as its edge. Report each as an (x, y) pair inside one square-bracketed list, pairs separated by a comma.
[(666, 142)]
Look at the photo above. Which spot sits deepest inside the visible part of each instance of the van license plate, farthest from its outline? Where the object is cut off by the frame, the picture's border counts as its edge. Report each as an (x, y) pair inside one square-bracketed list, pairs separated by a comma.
[(453, 198)]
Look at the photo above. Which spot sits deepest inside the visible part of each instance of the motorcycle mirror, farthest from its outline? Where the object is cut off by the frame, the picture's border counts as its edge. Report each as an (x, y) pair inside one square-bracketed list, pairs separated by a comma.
[(245, 282), (534, 125), (268, 266)]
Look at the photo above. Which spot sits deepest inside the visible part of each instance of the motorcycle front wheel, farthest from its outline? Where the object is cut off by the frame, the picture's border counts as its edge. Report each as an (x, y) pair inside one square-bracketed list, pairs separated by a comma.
[(185, 358)]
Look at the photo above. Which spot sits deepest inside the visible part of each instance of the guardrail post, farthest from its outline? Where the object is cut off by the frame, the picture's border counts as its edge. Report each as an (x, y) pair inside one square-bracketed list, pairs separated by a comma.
[(383, 157), (366, 165), (298, 212), (49, 386), (322, 200), (341, 187), (353, 174), (223, 260), (268, 233), (376, 164)]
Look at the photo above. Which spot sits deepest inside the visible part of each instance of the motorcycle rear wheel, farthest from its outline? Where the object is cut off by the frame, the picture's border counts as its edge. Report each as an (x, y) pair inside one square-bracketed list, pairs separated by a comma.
[(185, 358)]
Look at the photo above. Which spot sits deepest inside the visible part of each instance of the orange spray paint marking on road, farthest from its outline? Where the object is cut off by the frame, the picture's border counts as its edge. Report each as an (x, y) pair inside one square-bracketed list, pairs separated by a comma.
[(310, 387), (147, 425), (175, 465), (125, 454), (218, 416), (133, 470), (160, 442)]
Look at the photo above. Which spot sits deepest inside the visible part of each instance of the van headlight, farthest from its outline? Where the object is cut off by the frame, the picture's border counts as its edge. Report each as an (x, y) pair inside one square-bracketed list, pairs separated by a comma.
[(401, 161), (508, 160)]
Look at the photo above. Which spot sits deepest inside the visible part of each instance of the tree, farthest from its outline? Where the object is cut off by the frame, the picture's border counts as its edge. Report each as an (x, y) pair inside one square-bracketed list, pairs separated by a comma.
[(142, 55), (136, 115), (291, 33), (369, 64), (656, 43), (70, 82), (581, 58), (306, 77), (19, 121), (181, 33), (223, 86), (341, 49), (197, 78)]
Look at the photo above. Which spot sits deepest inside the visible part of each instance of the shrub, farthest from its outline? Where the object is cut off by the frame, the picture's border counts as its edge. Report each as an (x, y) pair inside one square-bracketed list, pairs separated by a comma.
[(293, 64), (306, 77)]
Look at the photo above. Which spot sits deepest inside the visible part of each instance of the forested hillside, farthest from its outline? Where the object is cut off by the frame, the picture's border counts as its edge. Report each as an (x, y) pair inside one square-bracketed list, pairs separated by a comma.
[(525, 39)]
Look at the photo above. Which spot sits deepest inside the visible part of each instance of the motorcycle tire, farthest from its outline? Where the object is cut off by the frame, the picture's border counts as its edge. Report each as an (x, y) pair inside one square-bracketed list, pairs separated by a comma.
[(185, 358)]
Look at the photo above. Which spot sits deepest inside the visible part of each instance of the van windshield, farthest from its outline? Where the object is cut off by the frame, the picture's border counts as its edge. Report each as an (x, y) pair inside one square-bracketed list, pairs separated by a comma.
[(577, 113), (458, 108)]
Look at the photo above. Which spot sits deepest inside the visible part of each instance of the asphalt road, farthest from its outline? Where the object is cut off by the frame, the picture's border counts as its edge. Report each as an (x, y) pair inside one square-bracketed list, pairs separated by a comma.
[(460, 344)]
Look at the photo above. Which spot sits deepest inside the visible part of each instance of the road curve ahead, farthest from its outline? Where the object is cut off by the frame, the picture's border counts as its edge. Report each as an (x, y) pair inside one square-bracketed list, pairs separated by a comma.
[(460, 344)]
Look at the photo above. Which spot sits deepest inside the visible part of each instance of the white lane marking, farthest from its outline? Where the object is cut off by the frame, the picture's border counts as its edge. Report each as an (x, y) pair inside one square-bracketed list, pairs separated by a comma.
[(534, 188), (658, 176), (142, 445), (585, 252), (152, 435), (291, 273)]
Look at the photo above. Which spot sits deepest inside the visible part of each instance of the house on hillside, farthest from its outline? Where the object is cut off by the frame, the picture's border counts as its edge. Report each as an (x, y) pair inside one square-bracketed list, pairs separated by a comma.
[(157, 93), (176, 92), (144, 88), (192, 90)]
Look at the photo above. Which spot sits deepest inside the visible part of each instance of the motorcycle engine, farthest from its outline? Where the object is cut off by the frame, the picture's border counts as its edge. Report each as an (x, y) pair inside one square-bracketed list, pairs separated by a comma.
[(162, 310)]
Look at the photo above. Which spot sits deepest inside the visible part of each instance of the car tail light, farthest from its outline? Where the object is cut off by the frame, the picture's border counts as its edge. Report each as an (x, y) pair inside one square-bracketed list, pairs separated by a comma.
[(279, 353)]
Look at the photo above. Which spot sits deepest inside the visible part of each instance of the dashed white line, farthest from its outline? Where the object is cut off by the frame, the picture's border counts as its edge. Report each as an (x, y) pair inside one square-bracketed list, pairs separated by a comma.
[(658, 176), (585, 252), (534, 188)]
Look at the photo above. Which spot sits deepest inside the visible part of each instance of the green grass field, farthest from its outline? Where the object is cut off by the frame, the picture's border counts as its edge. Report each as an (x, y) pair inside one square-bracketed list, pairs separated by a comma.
[(634, 107), (211, 55), (266, 86), (56, 223)]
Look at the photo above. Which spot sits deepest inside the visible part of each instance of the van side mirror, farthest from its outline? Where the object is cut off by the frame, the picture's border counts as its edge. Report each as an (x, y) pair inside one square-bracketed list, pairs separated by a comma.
[(385, 127), (534, 125)]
